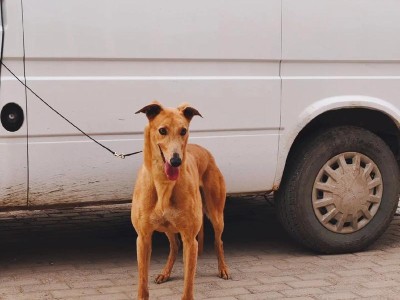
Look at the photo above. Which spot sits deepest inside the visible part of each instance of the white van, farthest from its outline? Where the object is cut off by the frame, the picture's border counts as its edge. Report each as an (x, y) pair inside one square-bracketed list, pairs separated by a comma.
[(300, 97)]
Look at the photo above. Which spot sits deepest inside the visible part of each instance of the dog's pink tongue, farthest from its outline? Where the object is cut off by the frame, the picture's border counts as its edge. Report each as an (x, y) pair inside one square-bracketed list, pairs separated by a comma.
[(171, 172)]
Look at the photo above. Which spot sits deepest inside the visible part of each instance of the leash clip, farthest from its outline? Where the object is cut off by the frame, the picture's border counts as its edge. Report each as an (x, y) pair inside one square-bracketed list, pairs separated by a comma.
[(121, 156)]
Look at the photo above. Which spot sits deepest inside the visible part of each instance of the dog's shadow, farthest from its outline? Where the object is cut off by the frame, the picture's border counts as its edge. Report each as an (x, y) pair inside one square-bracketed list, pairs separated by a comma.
[(251, 229)]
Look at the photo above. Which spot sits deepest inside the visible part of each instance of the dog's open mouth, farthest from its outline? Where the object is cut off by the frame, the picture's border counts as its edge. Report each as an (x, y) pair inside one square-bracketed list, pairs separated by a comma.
[(171, 172)]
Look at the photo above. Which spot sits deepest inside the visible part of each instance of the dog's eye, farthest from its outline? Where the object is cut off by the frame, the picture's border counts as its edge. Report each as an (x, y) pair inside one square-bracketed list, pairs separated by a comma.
[(162, 131), (183, 131)]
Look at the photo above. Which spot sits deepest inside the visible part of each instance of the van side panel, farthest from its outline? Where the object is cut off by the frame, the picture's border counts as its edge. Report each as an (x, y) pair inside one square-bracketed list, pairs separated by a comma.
[(13, 145), (361, 30), (336, 55), (99, 61), (154, 30)]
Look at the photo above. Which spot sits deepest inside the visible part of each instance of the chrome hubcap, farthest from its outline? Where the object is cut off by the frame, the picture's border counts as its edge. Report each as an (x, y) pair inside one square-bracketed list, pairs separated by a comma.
[(347, 192)]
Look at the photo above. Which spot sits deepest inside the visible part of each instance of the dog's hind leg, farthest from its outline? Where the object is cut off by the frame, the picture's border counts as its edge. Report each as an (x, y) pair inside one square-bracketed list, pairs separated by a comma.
[(200, 238), (173, 251), (217, 221), (214, 199)]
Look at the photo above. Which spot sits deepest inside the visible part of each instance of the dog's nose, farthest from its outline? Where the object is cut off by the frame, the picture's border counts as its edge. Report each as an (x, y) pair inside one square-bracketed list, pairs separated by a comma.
[(175, 160)]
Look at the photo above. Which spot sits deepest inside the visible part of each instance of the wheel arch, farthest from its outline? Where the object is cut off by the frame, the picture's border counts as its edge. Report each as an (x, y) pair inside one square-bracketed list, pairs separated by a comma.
[(374, 114)]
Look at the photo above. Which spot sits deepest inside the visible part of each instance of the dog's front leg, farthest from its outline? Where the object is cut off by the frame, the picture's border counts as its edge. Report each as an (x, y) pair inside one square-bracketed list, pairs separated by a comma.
[(190, 248), (143, 246)]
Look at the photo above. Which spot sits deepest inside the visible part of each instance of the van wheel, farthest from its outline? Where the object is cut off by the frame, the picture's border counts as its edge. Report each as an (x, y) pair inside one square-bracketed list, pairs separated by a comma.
[(340, 190)]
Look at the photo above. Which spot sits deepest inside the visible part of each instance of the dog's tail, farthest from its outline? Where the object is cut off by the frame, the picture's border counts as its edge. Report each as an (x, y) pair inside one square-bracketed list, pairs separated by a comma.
[(200, 238)]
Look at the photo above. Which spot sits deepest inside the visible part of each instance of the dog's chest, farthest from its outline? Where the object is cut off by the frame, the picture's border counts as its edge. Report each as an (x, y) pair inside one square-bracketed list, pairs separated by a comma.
[(166, 220)]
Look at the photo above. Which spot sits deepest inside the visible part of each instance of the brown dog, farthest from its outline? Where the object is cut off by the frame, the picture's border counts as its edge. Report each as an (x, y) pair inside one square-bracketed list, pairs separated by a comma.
[(176, 184)]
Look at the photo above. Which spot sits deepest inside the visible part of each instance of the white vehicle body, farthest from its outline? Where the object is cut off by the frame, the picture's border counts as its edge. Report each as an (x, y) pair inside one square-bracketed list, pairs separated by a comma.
[(258, 71)]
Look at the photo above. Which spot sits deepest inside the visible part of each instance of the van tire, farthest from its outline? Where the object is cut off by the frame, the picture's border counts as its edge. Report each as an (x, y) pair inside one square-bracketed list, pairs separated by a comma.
[(295, 199)]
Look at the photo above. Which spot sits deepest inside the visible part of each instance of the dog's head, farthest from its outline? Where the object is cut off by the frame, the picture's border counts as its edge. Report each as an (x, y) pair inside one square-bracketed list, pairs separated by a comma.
[(168, 134)]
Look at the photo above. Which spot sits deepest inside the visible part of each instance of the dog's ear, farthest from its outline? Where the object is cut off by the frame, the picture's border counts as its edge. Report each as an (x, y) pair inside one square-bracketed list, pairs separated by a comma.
[(151, 110), (188, 111)]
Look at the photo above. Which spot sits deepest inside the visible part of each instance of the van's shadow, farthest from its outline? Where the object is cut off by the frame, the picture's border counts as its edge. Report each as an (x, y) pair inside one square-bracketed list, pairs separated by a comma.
[(103, 232), (104, 235)]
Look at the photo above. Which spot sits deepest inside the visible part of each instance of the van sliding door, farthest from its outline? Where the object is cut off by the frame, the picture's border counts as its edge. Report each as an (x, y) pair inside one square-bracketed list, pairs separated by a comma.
[(13, 128), (99, 61)]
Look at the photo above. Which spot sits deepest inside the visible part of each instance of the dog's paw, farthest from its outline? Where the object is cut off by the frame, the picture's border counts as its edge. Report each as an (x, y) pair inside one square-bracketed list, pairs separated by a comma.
[(161, 278), (223, 273)]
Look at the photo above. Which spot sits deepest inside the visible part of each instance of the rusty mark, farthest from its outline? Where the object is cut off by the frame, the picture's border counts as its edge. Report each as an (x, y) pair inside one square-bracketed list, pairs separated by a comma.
[(275, 187), (13, 195), (55, 191), (60, 191)]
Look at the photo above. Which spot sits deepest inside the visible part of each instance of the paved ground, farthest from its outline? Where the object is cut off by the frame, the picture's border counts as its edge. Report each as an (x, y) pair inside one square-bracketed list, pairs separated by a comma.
[(89, 253)]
